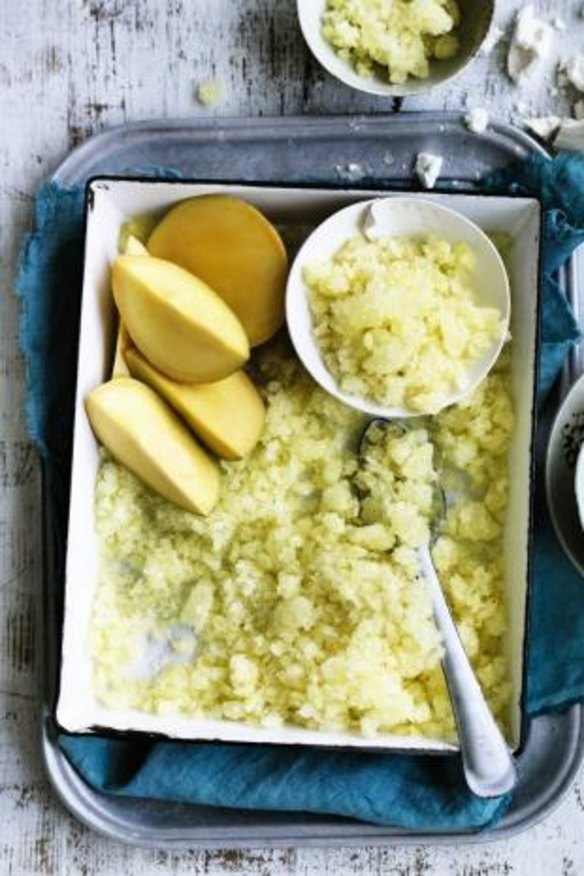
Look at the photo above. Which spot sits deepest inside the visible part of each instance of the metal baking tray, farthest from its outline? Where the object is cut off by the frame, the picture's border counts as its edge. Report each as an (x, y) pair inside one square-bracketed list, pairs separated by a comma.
[(356, 152)]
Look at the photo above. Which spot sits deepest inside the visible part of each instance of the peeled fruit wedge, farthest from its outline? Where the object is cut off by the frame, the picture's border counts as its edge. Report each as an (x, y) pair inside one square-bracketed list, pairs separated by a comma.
[(134, 246), (142, 432), (228, 244), (180, 325), (228, 415), (123, 344), (123, 341)]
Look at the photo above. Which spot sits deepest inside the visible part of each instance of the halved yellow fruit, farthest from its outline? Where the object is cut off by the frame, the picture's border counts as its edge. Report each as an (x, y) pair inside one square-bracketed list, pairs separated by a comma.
[(230, 245), (142, 432), (132, 246), (179, 324), (228, 415)]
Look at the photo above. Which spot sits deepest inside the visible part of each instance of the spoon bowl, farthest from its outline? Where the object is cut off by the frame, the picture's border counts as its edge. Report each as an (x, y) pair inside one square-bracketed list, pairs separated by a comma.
[(400, 428)]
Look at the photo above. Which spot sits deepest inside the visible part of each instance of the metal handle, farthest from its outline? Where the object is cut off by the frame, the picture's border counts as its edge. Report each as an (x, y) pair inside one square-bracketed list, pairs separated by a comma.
[(487, 762)]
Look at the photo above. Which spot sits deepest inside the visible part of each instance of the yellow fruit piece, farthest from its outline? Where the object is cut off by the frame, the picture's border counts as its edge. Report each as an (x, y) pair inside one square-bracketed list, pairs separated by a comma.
[(123, 344), (177, 321), (232, 247), (132, 246), (228, 415), (142, 432), (140, 227)]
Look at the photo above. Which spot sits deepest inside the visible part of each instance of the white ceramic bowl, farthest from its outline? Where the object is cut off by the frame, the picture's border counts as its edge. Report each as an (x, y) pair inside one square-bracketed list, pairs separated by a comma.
[(476, 18), (403, 217), (565, 474), (579, 487)]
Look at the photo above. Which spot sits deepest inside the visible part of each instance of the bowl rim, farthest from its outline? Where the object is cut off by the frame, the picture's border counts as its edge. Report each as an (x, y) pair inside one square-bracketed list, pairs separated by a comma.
[(295, 287), (374, 86), (573, 393), (578, 477)]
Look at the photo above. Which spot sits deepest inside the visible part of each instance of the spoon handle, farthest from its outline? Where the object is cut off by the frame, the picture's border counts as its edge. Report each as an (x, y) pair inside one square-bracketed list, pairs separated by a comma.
[(487, 762)]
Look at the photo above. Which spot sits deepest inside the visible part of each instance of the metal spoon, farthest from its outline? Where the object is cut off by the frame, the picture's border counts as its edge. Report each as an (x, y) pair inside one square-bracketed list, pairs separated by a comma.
[(488, 765)]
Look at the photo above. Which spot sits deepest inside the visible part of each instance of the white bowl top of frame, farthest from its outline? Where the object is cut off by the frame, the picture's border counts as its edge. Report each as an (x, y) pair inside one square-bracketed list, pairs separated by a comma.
[(476, 18)]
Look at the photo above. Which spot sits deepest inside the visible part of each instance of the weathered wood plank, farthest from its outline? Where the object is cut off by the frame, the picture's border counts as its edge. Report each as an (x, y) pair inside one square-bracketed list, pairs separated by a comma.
[(67, 70)]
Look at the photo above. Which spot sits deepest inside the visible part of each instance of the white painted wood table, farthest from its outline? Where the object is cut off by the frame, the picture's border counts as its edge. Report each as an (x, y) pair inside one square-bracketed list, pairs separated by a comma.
[(69, 68)]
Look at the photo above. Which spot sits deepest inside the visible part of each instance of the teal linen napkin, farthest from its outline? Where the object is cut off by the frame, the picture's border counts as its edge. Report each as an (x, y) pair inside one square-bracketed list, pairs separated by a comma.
[(411, 792)]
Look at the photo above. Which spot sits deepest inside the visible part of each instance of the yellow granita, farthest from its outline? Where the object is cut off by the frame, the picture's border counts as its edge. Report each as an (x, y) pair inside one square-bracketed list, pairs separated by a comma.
[(396, 320), (396, 38), (299, 600)]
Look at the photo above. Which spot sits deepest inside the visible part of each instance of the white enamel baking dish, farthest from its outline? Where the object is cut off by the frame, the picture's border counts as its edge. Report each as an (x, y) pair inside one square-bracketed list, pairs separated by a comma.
[(110, 203)]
